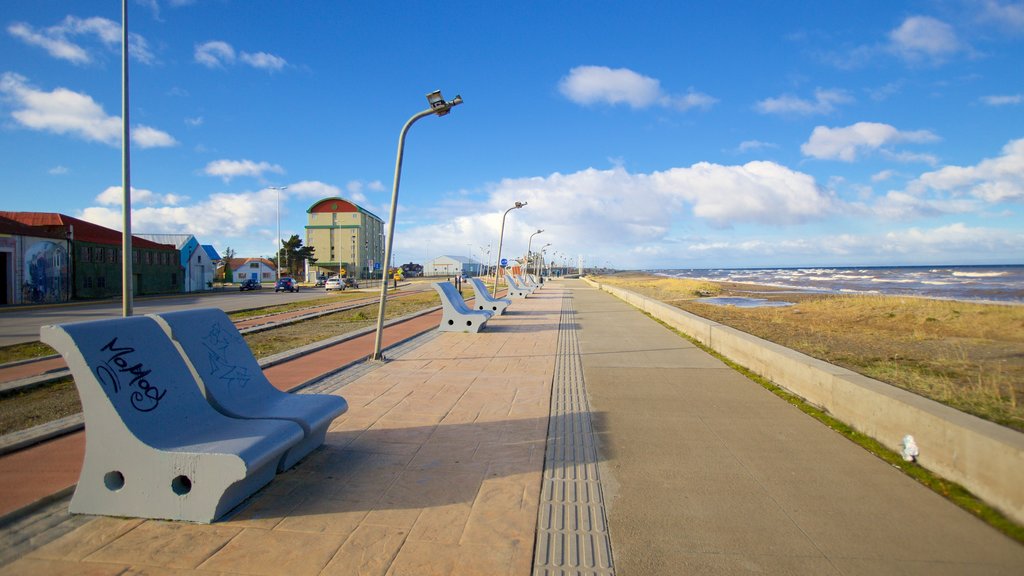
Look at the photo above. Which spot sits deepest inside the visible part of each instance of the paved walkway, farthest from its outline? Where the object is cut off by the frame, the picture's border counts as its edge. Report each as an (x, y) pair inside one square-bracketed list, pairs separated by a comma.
[(439, 468)]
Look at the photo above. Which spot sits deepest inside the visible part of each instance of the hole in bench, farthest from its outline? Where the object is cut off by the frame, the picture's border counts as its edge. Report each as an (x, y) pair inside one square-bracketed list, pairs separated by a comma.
[(113, 480), (450, 322), (469, 322), (181, 485)]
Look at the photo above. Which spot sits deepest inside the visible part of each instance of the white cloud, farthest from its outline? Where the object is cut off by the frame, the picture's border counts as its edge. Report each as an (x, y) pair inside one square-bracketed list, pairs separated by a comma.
[(1007, 15), (114, 196), (883, 175), (748, 145), (214, 54), (999, 179), (66, 112), (197, 121), (58, 170), (824, 102), (599, 84), (924, 39), (1003, 100), (58, 40), (218, 54), (897, 205), (846, 142), (228, 169), (218, 217), (314, 189), (263, 61)]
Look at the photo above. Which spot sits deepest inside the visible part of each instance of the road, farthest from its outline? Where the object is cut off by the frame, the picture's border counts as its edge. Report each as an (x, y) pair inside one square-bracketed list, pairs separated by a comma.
[(21, 324)]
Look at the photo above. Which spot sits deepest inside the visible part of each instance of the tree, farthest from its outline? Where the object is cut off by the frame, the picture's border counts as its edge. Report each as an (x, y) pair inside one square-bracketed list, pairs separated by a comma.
[(293, 254), (229, 275)]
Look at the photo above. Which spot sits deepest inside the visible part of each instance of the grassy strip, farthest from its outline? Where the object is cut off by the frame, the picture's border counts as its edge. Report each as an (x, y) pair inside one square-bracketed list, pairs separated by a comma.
[(26, 351), (950, 490)]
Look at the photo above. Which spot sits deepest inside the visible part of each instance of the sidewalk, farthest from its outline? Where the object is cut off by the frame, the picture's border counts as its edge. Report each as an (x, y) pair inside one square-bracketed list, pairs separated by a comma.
[(443, 465), (435, 469)]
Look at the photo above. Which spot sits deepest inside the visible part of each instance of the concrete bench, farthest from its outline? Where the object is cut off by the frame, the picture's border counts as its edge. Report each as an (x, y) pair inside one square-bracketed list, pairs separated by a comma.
[(515, 290), (455, 314), (528, 281), (234, 384), (154, 447), (484, 300)]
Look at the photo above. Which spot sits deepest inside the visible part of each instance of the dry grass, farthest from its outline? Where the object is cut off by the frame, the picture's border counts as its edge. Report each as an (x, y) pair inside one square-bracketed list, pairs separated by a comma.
[(966, 355)]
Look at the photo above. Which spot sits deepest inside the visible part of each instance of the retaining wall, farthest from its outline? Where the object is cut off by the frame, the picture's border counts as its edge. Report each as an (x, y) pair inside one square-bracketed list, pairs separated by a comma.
[(985, 458)]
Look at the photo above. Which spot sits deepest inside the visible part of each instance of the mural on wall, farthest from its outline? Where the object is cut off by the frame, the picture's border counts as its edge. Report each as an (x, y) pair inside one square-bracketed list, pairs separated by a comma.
[(46, 273)]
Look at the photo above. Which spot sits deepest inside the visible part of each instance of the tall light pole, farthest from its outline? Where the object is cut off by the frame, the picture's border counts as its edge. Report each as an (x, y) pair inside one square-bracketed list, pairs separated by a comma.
[(529, 243), (501, 237), (538, 265), (126, 178), (278, 188), (440, 107)]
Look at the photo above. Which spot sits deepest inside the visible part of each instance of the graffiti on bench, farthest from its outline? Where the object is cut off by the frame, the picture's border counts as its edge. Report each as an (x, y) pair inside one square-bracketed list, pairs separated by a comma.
[(146, 397)]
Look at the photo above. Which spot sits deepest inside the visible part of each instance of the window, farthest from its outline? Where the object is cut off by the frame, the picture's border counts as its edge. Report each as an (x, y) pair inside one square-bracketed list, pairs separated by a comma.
[(109, 255), (174, 277), (101, 281), (88, 281), (85, 254)]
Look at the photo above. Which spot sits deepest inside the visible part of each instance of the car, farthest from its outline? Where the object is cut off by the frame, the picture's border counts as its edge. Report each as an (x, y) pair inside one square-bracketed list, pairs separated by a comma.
[(350, 283), (334, 284), (250, 284), (286, 283)]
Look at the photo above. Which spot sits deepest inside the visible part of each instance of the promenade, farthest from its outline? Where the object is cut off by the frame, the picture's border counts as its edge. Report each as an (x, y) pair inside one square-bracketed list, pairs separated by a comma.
[(573, 432)]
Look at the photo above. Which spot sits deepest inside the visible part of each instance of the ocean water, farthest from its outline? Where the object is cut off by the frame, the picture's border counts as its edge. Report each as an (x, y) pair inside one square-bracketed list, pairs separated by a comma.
[(994, 283)]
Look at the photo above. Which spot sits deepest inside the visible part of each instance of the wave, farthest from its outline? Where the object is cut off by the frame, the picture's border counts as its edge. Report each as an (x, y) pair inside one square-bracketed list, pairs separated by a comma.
[(979, 274)]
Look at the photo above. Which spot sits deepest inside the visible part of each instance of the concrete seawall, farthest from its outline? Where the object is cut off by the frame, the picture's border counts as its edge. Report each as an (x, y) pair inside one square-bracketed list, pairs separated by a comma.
[(985, 458)]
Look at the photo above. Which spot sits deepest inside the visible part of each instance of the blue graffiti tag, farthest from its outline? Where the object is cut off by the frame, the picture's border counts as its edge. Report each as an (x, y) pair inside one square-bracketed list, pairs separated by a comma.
[(145, 397)]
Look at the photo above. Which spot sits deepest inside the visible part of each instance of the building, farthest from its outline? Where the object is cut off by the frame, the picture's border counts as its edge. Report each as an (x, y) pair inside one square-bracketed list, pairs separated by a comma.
[(452, 265), (261, 269), (94, 257), (347, 240), (196, 266), (34, 265)]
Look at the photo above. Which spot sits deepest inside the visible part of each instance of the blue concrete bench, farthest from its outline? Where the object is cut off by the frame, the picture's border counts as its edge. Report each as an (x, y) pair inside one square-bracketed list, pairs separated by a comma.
[(515, 290), (484, 300), (233, 382), (455, 314), (154, 447)]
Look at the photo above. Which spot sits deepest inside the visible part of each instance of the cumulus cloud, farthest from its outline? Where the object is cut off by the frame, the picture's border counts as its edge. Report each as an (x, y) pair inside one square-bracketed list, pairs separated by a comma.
[(824, 102), (314, 189), (589, 85), (924, 39), (1006, 15), (61, 40), (228, 169), (846, 142), (218, 54), (749, 145), (114, 196), (999, 179), (65, 112)]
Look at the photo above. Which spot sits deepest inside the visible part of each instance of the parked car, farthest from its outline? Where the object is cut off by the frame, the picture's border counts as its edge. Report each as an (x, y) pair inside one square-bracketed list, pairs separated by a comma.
[(334, 284), (350, 283), (250, 284), (320, 281), (286, 283)]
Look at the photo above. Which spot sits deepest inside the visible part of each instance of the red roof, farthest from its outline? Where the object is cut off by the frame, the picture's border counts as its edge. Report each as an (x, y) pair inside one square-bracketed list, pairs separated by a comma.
[(79, 229), (8, 226)]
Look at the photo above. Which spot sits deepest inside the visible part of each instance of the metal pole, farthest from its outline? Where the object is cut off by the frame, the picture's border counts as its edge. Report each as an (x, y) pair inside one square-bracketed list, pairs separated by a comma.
[(126, 177), (378, 340)]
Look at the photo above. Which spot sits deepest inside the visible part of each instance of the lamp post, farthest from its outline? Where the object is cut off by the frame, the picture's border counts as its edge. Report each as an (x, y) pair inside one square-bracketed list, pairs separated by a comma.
[(539, 261), (501, 237), (278, 188), (440, 107), (529, 243)]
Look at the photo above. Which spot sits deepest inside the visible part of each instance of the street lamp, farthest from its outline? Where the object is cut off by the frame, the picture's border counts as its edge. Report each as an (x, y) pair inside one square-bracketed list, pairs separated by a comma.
[(501, 236), (279, 243), (541, 259), (440, 107), (529, 243)]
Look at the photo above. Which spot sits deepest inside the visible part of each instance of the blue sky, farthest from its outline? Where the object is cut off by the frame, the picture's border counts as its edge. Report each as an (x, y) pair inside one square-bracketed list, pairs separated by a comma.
[(641, 134)]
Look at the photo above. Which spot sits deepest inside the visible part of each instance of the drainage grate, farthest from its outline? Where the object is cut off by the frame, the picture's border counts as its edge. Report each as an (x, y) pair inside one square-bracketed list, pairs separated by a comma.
[(572, 533)]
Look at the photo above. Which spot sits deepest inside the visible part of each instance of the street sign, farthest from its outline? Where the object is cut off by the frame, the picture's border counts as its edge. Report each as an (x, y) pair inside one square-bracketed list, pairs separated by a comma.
[(504, 261), (376, 265)]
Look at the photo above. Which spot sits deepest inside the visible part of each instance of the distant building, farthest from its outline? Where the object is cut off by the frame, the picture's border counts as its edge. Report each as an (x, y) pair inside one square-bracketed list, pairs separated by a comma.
[(260, 269), (34, 265), (94, 257), (452, 265), (196, 266), (347, 239)]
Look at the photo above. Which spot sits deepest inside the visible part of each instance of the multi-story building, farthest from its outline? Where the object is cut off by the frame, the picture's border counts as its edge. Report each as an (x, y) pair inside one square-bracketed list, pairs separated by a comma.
[(348, 240)]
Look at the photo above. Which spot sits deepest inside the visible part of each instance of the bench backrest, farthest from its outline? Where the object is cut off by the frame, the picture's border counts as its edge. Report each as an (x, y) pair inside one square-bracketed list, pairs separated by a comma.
[(512, 282), (448, 292), (480, 291), (226, 368), (134, 365)]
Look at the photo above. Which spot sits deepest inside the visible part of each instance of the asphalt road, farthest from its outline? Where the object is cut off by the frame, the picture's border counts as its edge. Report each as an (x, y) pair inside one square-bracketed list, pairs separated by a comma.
[(21, 324)]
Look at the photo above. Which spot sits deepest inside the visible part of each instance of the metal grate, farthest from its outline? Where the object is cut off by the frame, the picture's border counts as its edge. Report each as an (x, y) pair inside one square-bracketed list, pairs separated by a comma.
[(572, 532)]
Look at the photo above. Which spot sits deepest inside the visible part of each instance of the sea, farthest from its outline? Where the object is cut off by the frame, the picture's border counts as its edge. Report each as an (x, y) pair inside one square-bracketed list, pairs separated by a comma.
[(987, 283)]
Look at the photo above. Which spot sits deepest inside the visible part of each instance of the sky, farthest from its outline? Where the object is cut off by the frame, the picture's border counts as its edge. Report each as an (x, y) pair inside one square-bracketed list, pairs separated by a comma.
[(639, 134)]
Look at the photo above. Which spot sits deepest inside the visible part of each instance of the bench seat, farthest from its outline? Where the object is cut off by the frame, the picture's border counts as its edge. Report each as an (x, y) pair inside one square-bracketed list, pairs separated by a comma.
[(484, 300), (455, 314)]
